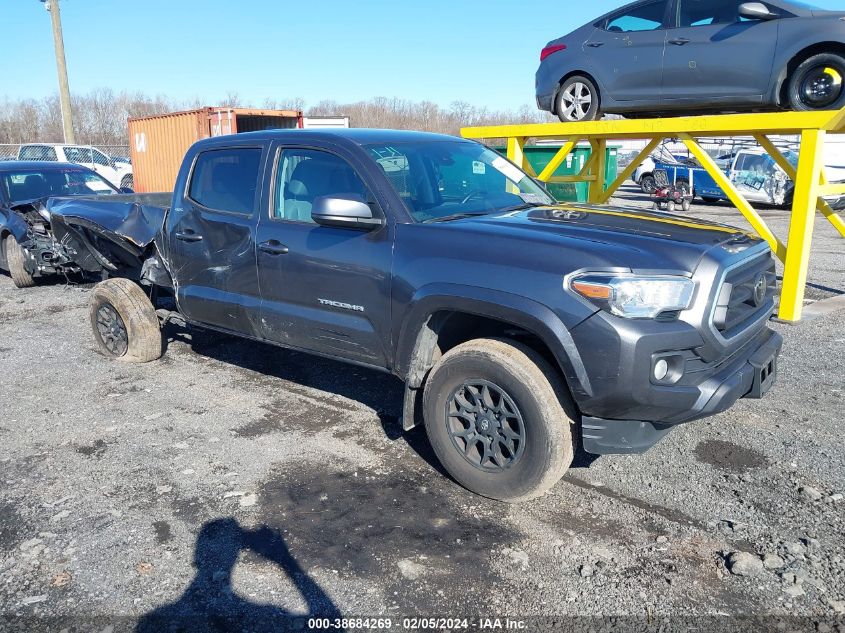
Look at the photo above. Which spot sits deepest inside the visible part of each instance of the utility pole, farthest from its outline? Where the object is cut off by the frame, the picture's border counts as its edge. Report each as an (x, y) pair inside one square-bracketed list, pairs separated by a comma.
[(61, 66)]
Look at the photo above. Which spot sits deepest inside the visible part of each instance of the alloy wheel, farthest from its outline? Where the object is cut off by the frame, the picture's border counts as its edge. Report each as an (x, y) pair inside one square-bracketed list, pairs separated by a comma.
[(485, 425), (112, 330), (577, 100)]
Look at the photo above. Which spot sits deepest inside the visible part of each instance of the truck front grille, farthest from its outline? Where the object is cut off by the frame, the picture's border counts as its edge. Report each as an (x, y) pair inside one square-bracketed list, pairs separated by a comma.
[(746, 295)]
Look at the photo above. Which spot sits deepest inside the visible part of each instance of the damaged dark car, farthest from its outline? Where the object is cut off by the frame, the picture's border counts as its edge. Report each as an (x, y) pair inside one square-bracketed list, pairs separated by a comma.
[(28, 248)]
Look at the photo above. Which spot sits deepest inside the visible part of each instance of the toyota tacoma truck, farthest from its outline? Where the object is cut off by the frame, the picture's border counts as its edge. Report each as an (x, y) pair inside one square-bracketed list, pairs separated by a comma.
[(519, 326)]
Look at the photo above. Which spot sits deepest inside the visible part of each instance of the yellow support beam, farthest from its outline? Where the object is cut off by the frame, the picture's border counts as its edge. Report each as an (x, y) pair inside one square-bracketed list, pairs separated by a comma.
[(797, 262), (557, 159), (750, 213), (630, 169), (720, 125), (598, 169)]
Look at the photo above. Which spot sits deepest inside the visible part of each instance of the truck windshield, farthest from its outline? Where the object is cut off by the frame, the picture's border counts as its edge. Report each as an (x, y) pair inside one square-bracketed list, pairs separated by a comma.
[(20, 186), (454, 179)]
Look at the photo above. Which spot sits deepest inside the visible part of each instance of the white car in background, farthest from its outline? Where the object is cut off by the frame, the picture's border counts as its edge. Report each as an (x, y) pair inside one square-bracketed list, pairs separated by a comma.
[(117, 171)]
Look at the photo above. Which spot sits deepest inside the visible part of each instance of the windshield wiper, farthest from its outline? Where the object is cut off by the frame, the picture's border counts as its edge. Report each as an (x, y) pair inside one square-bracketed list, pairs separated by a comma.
[(521, 207), (456, 216)]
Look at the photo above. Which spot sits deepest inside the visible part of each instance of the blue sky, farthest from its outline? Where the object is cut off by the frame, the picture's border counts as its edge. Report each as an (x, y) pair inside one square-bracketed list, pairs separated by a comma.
[(484, 52)]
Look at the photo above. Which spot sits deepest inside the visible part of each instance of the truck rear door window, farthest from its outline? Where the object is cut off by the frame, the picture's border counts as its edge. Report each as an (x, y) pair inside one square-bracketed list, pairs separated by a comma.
[(227, 179)]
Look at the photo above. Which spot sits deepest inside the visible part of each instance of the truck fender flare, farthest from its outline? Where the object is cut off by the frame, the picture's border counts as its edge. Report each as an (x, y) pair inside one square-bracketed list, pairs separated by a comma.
[(419, 332)]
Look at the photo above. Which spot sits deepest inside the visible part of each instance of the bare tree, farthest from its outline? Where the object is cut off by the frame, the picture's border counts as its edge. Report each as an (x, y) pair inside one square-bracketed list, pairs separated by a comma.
[(101, 115)]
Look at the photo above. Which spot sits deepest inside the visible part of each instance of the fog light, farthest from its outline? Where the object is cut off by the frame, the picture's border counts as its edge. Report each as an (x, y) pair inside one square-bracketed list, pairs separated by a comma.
[(661, 369)]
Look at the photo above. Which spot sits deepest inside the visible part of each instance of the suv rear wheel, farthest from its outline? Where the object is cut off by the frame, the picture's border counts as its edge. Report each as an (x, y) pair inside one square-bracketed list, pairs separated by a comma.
[(818, 83), (125, 322), (494, 417), (16, 259), (577, 100), (647, 184)]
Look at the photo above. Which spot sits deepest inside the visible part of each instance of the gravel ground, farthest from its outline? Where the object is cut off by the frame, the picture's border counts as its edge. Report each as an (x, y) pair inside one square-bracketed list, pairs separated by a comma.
[(236, 479)]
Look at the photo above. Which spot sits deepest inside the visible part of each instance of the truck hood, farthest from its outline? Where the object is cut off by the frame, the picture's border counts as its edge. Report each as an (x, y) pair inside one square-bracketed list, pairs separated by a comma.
[(619, 236)]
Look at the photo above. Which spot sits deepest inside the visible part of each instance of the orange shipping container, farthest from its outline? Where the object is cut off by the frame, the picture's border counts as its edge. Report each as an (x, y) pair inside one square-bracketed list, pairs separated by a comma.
[(158, 143)]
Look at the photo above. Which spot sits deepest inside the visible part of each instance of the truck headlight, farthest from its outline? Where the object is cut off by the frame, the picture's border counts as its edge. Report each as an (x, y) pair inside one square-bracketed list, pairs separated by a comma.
[(635, 296)]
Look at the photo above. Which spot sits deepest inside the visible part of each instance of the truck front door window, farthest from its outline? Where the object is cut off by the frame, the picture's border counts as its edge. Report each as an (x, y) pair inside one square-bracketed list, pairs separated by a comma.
[(226, 179), (305, 175), (446, 179)]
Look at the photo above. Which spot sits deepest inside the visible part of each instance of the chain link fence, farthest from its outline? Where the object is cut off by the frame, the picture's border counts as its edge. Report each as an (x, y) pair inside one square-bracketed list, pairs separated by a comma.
[(110, 161)]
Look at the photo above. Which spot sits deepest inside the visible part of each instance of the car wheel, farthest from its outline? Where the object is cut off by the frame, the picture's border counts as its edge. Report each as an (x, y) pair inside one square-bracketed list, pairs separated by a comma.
[(577, 100), (670, 206), (648, 184), (817, 84), (127, 182), (124, 321), (16, 260), (494, 416)]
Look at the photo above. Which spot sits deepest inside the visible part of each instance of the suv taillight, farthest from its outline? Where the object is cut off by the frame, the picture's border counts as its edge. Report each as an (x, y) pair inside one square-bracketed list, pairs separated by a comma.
[(551, 50)]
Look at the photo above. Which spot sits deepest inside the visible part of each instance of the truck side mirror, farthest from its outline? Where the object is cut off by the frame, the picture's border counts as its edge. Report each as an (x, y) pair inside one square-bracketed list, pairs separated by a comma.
[(756, 11), (344, 210)]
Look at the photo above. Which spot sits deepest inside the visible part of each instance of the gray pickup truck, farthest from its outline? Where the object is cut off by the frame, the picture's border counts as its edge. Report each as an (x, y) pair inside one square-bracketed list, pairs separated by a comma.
[(520, 326)]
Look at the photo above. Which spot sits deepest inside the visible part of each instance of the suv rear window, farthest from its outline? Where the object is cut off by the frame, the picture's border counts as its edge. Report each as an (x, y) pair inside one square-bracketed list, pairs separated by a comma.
[(226, 179), (38, 152)]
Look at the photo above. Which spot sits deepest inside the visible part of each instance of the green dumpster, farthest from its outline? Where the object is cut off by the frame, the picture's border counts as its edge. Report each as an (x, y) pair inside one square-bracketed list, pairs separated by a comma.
[(540, 156)]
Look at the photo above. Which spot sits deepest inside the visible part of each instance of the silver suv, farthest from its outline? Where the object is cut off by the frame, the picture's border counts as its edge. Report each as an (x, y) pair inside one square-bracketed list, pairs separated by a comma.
[(669, 56)]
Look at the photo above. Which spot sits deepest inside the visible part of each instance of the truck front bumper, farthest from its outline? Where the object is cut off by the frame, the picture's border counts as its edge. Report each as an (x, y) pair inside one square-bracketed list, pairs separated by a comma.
[(629, 410)]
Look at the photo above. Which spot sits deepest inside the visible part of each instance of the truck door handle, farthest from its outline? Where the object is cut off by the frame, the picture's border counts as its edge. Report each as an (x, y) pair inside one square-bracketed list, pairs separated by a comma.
[(273, 247), (595, 44), (189, 235), (680, 41)]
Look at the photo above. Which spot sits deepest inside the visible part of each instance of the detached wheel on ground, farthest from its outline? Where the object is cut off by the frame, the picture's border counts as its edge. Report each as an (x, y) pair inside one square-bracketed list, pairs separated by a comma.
[(494, 417), (688, 195), (577, 100), (818, 83), (648, 184), (16, 259), (124, 321)]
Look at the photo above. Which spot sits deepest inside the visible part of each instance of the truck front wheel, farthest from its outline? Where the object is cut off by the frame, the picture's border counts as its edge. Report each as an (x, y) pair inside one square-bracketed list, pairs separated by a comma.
[(494, 417), (124, 321), (16, 259)]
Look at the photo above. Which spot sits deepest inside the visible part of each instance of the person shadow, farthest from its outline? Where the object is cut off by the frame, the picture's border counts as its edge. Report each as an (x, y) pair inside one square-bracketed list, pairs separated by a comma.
[(210, 603)]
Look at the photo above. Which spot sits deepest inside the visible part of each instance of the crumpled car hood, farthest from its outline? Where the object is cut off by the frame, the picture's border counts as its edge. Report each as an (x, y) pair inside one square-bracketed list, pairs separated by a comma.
[(137, 218)]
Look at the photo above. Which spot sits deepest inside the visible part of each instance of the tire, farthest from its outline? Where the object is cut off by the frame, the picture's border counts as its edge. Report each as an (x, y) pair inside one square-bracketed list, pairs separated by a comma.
[(124, 322), (818, 83), (572, 98), (517, 379), (16, 260), (648, 184), (686, 204), (670, 206), (127, 182)]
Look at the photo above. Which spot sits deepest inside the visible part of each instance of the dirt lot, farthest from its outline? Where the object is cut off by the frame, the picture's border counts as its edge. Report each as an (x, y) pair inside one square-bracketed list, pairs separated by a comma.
[(233, 479)]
